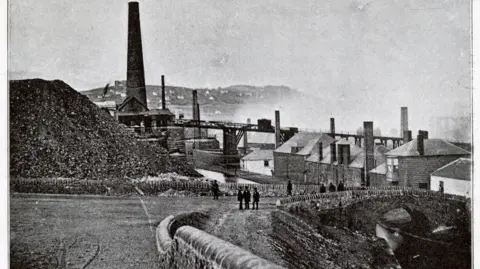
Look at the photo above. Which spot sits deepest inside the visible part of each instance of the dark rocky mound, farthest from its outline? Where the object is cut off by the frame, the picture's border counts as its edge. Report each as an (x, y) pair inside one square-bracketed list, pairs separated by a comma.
[(57, 132)]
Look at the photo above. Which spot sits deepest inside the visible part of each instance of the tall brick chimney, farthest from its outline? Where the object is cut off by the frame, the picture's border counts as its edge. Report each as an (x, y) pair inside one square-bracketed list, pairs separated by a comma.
[(403, 120), (163, 92), (333, 153), (407, 136), (135, 70), (420, 144), (194, 105), (277, 129), (332, 127), (369, 149)]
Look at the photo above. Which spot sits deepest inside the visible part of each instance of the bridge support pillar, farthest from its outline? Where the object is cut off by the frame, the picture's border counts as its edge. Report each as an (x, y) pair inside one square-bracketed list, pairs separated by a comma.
[(229, 142)]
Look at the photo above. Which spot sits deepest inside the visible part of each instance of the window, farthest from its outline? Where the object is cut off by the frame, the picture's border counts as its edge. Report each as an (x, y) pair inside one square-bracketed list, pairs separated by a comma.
[(423, 185), (265, 163)]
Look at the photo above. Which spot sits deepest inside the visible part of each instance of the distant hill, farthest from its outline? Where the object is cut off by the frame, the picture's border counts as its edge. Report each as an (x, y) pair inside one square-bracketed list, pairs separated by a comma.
[(180, 96)]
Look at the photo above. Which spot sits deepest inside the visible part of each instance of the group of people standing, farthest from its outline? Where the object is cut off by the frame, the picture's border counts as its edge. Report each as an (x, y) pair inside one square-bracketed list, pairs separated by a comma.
[(245, 196)]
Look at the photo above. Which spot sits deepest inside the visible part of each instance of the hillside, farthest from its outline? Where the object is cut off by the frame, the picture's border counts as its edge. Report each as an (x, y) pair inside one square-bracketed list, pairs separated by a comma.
[(180, 96), (57, 132)]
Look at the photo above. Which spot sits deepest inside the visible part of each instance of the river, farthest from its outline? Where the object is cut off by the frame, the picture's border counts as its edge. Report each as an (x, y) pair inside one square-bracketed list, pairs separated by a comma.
[(221, 178)]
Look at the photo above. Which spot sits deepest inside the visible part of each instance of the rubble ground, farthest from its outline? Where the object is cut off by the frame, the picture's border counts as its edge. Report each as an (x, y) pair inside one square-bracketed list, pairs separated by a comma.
[(57, 132)]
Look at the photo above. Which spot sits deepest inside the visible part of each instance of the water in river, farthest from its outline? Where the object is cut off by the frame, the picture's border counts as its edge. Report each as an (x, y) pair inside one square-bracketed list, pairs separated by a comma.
[(221, 178)]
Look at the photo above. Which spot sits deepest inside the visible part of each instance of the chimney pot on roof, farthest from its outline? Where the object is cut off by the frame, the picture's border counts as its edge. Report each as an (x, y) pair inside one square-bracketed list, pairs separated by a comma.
[(332, 127), (407, 136), (320, 151), (333, 153), (420, 145)]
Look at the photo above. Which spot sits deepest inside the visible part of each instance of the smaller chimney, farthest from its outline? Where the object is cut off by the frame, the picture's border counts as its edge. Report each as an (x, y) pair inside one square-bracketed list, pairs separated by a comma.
[(424, 134), (163, 92), (346, 152), (320, 151), (333, 153), (248, 121), (194, 105), (332, 127), (198, 112), (407, 136), (277, 129), (420, 145)]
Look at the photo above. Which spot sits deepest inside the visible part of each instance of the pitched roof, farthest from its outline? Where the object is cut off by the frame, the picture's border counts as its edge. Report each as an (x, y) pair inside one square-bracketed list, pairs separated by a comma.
[(260, 154), (381, 169), (131, 99), (261, 138), (379, 156), (303, 140), (433, 147), (459, 169), (354, 151)]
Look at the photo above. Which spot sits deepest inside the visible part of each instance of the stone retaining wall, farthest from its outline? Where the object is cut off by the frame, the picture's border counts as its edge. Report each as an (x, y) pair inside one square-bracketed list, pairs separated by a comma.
[(189, 247)]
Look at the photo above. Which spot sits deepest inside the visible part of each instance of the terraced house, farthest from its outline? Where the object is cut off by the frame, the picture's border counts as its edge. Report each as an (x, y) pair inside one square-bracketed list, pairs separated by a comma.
[(411, 164), (342, 161), (290, 158)]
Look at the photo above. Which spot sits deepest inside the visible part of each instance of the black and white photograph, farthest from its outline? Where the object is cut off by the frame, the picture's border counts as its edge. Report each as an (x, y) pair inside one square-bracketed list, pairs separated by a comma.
[(245, 134)]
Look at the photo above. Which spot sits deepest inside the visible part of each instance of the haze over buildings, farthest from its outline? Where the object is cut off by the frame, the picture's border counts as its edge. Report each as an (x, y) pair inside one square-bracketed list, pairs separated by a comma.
[(364, 60)]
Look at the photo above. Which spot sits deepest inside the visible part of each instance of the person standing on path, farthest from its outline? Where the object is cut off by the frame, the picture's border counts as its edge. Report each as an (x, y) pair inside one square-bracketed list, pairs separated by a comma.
[(289, 188), (322, 188), (332, 188), (340, 187), (215, 190), (246, 194), (256, 198), (240, 197)]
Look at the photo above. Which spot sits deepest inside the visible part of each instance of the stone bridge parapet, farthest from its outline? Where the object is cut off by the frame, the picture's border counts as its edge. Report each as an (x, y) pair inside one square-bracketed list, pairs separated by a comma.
[(344, 198), (189, 247)]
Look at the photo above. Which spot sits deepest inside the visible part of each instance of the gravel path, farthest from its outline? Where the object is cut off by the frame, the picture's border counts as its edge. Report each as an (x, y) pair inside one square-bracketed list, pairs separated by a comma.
[(248, 229)]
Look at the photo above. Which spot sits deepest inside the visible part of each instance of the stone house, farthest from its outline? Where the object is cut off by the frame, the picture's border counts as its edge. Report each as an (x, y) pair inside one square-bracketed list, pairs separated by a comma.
[(259, 161), (411, 164), (454, 178), (290, 158)]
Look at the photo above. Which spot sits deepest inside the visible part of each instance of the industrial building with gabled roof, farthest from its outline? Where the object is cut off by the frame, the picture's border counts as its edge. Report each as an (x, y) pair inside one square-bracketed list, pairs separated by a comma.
[(411, 164), (290, 158), (453, 178)]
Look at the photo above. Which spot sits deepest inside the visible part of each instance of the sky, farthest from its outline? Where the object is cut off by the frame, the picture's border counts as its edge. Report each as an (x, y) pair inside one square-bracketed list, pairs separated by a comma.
[(360, 57)]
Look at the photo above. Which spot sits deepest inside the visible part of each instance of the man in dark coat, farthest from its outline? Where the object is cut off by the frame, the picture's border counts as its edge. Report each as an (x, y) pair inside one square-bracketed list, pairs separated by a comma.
[(246, 195), (332, 188), (256, 198), (322, 188), (215, 190), (289, 188), (340, 187), (240, 197)]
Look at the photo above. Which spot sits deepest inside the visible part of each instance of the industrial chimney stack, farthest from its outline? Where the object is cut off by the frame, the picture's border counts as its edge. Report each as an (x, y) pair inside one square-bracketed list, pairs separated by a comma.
[(135, 70), (332, 127), (163, 93), (369, 149), (277, 129), (403, 120)]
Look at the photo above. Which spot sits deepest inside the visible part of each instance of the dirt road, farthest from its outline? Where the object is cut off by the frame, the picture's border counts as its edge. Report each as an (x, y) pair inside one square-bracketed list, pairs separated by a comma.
[(50, 231)]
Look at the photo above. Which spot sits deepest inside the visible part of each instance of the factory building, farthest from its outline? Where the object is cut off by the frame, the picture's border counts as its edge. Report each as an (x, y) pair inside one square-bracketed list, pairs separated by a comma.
[(453, 178), (411, 164), (290, 158), (134, 112)]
